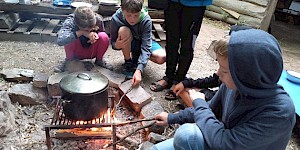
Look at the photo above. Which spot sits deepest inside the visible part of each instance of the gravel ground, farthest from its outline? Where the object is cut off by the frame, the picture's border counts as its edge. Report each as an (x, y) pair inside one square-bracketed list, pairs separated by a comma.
[(42, 57)]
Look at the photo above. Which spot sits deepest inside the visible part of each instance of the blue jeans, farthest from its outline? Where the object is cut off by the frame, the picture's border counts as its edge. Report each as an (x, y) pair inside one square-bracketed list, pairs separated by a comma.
[(188, 136)]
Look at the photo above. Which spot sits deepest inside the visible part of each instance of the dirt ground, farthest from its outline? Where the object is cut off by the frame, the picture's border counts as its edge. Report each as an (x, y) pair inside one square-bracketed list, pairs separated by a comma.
[(42, 57)]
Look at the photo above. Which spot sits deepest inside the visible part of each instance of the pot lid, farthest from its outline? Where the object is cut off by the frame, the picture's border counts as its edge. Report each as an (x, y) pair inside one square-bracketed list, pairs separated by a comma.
[(84, 83)]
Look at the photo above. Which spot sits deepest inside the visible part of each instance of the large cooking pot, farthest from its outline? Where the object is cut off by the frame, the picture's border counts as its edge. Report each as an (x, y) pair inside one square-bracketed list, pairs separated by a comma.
[(85, 95)]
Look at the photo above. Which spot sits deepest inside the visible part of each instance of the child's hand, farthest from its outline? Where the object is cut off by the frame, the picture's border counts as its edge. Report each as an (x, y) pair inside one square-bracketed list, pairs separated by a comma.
[(93, 36), (137, 77), (178, 88), (122, 42), (162, 119), (194, 94)]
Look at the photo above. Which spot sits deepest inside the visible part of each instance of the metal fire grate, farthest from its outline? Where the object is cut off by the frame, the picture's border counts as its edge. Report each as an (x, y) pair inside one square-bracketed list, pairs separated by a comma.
[(60, 122)]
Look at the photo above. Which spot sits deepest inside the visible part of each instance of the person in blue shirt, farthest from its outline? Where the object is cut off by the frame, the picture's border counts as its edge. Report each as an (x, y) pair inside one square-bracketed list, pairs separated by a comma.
[(183, 19), (202, 84), (250, 111)]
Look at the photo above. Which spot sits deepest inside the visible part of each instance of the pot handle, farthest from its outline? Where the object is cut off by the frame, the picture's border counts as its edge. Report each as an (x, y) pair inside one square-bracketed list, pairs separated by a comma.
[(84, 76)]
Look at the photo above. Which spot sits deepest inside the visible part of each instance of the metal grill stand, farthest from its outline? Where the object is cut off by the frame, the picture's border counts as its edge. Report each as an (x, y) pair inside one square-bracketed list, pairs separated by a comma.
[(59, 121)]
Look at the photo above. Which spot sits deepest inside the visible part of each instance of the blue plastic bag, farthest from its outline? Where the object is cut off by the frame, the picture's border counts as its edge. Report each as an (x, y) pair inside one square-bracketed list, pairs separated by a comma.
[(62, 3)]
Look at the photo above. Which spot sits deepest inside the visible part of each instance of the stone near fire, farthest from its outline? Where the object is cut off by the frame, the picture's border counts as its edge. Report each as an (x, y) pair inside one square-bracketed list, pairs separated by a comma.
[(27, 94), (115, 79), (16, 74), (146, 145), (137, 97), (7, 114), (40, 80), (3, 86), (155, 138), (150, 111), (53, 84)]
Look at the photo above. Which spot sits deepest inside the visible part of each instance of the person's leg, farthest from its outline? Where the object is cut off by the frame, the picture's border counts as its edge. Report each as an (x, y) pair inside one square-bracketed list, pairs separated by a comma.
[(75, 50), (158, 54), (188, 136), (99, 48), (173, 32), (71, 54), (124, 33), (164, 145), (71, 49), (172, 44), (191, 23), (101, 45)]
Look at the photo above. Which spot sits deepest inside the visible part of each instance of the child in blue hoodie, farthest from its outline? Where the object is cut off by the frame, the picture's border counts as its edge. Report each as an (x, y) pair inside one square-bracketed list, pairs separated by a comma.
[(130, 31), (250, 110)]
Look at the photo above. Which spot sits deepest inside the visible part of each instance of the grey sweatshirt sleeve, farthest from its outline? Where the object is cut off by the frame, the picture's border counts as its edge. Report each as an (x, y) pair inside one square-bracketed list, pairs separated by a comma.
[(183, 116), (146, 44), (100, 23), (67, 32)]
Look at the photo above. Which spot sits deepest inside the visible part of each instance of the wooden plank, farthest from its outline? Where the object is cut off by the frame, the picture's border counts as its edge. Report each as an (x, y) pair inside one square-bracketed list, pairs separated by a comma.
[(232, 13), (48, 38), (8, 20), (158, 21), (152, 35), (40, 8), (19, 37), (50, 27), (3, 30), (160, 31), (23, 27), (155, 36), (39, 26)]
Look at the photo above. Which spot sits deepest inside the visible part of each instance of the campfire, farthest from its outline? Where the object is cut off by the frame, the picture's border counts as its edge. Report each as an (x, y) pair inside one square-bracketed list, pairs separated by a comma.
[(103, 127), (116, 126)]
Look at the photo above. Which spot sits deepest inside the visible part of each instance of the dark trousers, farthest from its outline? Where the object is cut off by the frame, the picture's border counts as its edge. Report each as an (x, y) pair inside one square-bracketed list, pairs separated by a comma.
[(182, 27)]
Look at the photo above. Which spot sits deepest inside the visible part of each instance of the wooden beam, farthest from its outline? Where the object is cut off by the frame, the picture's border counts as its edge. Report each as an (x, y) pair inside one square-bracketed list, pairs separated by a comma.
[(40, 8), (23, 27), (39, 26), (160, 31), (50, 27)]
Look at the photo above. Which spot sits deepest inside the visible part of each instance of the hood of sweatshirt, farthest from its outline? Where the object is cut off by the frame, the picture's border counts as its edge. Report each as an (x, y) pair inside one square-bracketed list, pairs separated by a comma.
[(255, 63), (143, 14)]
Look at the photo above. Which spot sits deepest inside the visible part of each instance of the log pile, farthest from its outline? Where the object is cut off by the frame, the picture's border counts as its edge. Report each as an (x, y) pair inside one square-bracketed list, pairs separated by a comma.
[(254, 13)]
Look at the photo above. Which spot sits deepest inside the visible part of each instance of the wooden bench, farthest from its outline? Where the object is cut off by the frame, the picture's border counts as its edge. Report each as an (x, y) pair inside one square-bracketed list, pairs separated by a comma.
[(40, 23)]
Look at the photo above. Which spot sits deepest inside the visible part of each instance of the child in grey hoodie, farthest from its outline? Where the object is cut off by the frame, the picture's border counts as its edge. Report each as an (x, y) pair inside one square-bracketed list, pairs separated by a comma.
[(250, 111)]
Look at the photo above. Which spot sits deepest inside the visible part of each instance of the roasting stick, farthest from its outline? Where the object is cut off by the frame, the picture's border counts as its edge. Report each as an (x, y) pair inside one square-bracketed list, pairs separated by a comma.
[(131, 87), (117, 105), (135, 121)]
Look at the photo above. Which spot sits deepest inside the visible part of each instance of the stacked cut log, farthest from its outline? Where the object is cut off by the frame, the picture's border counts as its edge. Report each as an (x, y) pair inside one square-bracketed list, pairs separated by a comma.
[(254, 13)]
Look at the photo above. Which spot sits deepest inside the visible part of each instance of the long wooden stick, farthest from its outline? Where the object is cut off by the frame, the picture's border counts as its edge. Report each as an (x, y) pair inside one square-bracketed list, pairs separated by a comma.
[(135, 121), (122, 139)]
